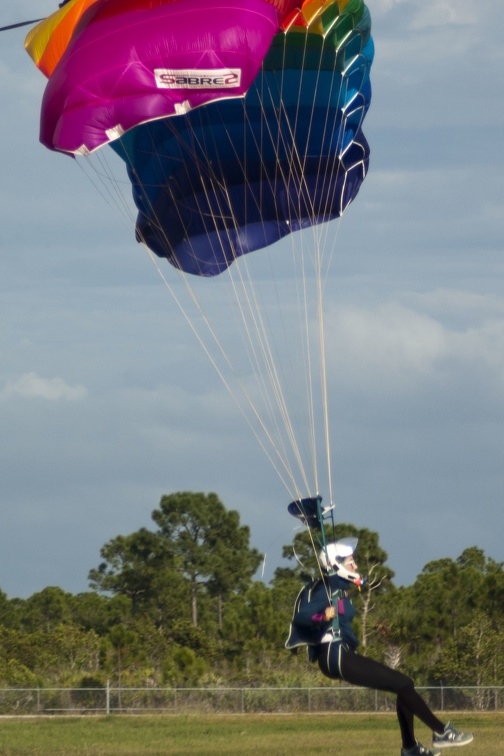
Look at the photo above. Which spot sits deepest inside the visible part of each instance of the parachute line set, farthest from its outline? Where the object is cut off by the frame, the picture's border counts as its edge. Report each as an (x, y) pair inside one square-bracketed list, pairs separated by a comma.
[(239, 124)]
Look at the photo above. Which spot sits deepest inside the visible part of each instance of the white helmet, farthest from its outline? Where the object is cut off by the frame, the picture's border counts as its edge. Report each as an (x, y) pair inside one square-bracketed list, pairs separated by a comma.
[(334, 555)]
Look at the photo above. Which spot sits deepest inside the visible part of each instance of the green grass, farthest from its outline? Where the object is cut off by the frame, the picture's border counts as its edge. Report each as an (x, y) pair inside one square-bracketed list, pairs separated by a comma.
[(230, 735)]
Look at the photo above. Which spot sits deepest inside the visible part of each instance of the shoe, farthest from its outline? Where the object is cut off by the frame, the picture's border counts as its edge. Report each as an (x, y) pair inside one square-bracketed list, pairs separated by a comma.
[(420, 750), (451, 737)]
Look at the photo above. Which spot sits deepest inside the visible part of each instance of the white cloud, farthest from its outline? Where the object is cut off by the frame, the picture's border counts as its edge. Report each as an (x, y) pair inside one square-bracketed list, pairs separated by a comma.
[(426, 13), (30, 385), (460, 303), (433, 40), (392, 340), (435, 13), (394, 347), (383, 6)]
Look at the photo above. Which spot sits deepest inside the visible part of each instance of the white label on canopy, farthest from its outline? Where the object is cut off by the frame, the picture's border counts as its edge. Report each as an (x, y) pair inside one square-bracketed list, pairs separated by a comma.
[(221, 78)]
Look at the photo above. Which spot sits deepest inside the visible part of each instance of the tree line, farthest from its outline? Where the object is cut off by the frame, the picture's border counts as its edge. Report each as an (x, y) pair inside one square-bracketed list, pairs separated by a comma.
[(179, 605)]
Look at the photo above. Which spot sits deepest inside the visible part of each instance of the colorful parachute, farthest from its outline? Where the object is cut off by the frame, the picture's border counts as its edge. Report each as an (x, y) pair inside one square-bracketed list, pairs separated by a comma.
[(239, 122), (277, 145)]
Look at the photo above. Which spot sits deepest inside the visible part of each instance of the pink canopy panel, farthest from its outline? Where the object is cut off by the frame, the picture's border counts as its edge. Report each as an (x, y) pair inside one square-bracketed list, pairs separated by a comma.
[(130, 61)]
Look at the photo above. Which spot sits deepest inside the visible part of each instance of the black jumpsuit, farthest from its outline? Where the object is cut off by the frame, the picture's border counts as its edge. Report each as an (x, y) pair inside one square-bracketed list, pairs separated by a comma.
[(337, 657)]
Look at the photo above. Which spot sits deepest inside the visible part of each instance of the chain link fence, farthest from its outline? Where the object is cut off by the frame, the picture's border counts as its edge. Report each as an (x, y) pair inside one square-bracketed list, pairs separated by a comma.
[(337, 698)]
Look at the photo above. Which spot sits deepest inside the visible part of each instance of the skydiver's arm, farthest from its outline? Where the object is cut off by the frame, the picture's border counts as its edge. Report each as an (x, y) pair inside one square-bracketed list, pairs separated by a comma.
[(315, 613)]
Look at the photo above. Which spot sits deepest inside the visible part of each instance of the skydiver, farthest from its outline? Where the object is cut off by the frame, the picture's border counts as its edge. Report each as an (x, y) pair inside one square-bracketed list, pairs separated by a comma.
[(323, 621)]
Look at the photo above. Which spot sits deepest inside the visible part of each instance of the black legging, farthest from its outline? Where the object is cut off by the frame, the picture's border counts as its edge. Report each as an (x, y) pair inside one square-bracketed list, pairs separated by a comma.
[(337, 662)]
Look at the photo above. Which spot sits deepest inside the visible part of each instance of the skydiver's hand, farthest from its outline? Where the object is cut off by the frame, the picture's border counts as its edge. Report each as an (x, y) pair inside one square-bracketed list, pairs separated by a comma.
[(329, 613)]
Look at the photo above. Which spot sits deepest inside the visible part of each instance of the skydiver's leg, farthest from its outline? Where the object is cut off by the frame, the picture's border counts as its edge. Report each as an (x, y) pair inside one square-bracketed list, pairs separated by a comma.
[(368, 673), (406, 721), (330, 661), (329, 656)]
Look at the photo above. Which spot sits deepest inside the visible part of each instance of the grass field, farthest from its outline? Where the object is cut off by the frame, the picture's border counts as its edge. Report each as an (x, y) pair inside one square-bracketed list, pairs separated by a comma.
[(236, 735)]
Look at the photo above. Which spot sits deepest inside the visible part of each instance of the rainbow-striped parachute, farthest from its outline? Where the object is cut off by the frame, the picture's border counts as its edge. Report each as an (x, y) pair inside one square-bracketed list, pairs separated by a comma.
[(240, 121)]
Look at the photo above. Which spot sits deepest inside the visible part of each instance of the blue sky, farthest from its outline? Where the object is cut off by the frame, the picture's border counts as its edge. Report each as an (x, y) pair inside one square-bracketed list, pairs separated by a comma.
[(107, 402)]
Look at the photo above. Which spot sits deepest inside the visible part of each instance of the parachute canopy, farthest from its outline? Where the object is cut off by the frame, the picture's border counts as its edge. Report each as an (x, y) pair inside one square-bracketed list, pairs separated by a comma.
[(239, 122)]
